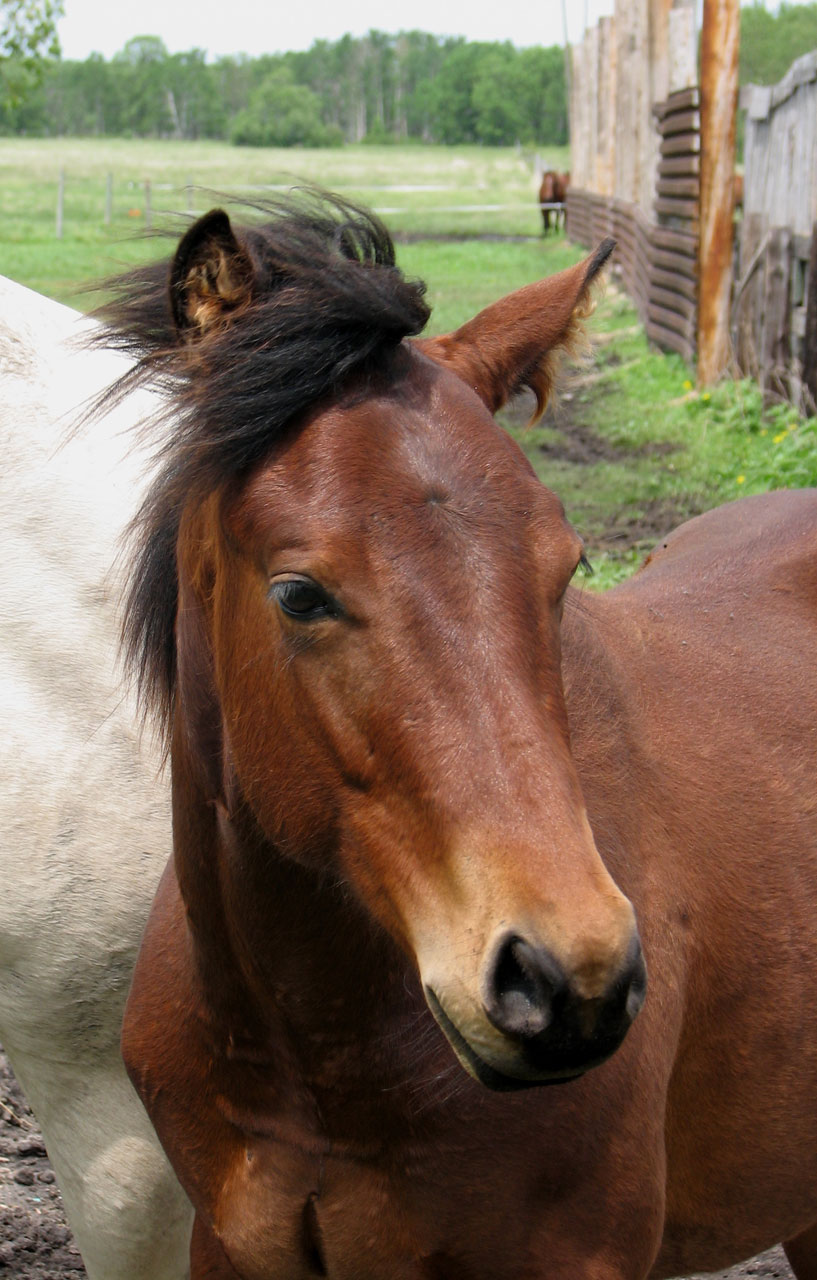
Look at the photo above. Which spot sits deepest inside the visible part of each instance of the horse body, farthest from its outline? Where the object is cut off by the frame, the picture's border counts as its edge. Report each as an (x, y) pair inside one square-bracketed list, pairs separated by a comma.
[(85, 814), (423, 790), (553, 190), (701, 794)]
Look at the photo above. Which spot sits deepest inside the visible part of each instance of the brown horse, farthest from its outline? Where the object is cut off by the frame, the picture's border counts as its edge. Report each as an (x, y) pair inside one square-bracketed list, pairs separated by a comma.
[(553, 190), (415, 774)]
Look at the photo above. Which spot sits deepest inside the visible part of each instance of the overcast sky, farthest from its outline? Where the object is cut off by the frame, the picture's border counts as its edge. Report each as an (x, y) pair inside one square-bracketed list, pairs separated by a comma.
[(268, 26)]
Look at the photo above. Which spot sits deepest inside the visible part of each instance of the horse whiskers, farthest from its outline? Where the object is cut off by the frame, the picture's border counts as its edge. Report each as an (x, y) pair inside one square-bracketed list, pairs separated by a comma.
[(425, 1096)]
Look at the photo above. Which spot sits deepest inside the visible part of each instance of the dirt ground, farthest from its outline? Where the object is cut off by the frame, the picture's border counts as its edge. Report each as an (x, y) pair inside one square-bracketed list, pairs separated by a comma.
[(35, 1243)]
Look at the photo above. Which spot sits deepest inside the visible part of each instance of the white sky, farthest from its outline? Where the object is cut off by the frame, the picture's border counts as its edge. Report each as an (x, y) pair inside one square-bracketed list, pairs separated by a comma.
[(266, 26)]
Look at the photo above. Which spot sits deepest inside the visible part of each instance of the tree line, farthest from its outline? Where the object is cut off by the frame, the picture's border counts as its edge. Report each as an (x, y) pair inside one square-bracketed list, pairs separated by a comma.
[(375, 88)]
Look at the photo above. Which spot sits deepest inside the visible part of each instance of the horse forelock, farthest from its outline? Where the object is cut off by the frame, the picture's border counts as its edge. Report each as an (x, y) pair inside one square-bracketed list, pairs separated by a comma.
[(328, 305)]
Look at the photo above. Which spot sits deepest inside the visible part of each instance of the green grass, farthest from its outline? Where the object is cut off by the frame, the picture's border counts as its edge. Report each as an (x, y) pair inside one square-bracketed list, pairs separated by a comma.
[(464, 277), (669, 450), (632, 448), (436, 190)]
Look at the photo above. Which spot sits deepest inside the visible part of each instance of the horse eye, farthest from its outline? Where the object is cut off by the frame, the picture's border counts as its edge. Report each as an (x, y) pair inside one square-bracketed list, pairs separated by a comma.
[(303, 599)]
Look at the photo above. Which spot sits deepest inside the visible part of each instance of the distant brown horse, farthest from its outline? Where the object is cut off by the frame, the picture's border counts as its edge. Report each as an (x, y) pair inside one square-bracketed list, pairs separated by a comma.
[(553, 190), (415, 773)]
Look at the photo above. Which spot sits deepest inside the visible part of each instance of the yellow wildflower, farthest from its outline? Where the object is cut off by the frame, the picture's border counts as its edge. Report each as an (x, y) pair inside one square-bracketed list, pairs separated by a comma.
[(706, 396), (741, 479), (781, 435), (687, 385)]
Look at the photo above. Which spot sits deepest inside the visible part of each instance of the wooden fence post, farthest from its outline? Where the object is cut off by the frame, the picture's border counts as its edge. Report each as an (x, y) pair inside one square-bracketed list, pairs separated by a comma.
[(810, 340), (60, 203), (719, 96), (776, 337)]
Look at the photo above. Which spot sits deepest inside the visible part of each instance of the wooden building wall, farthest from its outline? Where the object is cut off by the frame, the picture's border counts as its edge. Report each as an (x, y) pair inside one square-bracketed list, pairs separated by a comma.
[(774, 310)]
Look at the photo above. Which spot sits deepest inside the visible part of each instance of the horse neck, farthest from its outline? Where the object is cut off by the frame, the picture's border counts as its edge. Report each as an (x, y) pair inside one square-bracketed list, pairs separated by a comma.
[(609, 739), (284, 953), (601, 687)]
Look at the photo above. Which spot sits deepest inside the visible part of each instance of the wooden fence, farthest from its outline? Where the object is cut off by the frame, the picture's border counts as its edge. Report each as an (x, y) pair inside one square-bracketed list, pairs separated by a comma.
[(774, 308), (657, 236), (636, 167), (643, 186)]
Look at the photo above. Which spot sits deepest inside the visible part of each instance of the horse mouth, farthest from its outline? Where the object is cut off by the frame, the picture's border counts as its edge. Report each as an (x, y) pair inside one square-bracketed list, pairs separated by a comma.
[(476, 1066)]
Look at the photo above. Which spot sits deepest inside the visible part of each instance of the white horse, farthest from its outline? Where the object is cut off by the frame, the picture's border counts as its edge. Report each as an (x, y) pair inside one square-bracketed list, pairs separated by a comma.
[(84, 810)]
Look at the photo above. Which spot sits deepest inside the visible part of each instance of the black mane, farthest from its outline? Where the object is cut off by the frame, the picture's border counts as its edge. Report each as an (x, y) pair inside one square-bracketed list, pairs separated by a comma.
[(328, 303)]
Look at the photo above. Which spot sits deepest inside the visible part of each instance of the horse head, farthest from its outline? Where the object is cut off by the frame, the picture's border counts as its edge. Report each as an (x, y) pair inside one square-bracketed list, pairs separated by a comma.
[(360, 652)]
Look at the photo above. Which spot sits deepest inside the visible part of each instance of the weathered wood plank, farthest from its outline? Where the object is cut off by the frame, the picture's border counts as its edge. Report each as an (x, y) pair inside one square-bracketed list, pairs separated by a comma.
[(673, 301), (673, 280), (781, 150), (684, 166), (685, 209), (747, 309), (606, 93), (720, 38), (680, 122), (676, 263), (810, 334), (681, 101), (674, 187), (671, 320), (680, 145), (679, 241), (669, 340), (775, 346)]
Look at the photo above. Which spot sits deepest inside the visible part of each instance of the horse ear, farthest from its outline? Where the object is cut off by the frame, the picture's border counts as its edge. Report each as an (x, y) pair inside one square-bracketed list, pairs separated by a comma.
[(516, 342), (211, 276)]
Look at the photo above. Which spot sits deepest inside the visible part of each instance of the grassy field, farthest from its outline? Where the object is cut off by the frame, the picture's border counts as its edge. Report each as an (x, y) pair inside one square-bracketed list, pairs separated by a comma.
[(631, 446), (434, 190)]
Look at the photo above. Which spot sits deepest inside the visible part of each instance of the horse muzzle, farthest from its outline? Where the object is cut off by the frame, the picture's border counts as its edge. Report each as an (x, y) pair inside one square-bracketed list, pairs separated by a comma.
[(534, 1027)]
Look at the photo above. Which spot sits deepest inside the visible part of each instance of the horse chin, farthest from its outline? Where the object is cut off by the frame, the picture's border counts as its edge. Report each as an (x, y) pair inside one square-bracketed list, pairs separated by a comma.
[(491, 1076)]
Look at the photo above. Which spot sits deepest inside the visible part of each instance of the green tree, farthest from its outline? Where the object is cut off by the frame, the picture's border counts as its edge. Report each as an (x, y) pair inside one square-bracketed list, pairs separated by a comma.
[(192, 95), (542, 94), (79, 98), (282, 113), (770, 42), (378, 87), (28, 40), (143, 68), (452, 108), (499, 118)]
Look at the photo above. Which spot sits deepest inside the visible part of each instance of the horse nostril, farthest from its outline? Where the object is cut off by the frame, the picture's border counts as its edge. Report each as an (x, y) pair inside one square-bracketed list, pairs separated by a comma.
[(528, 996), (636, 980), (522, 985)]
